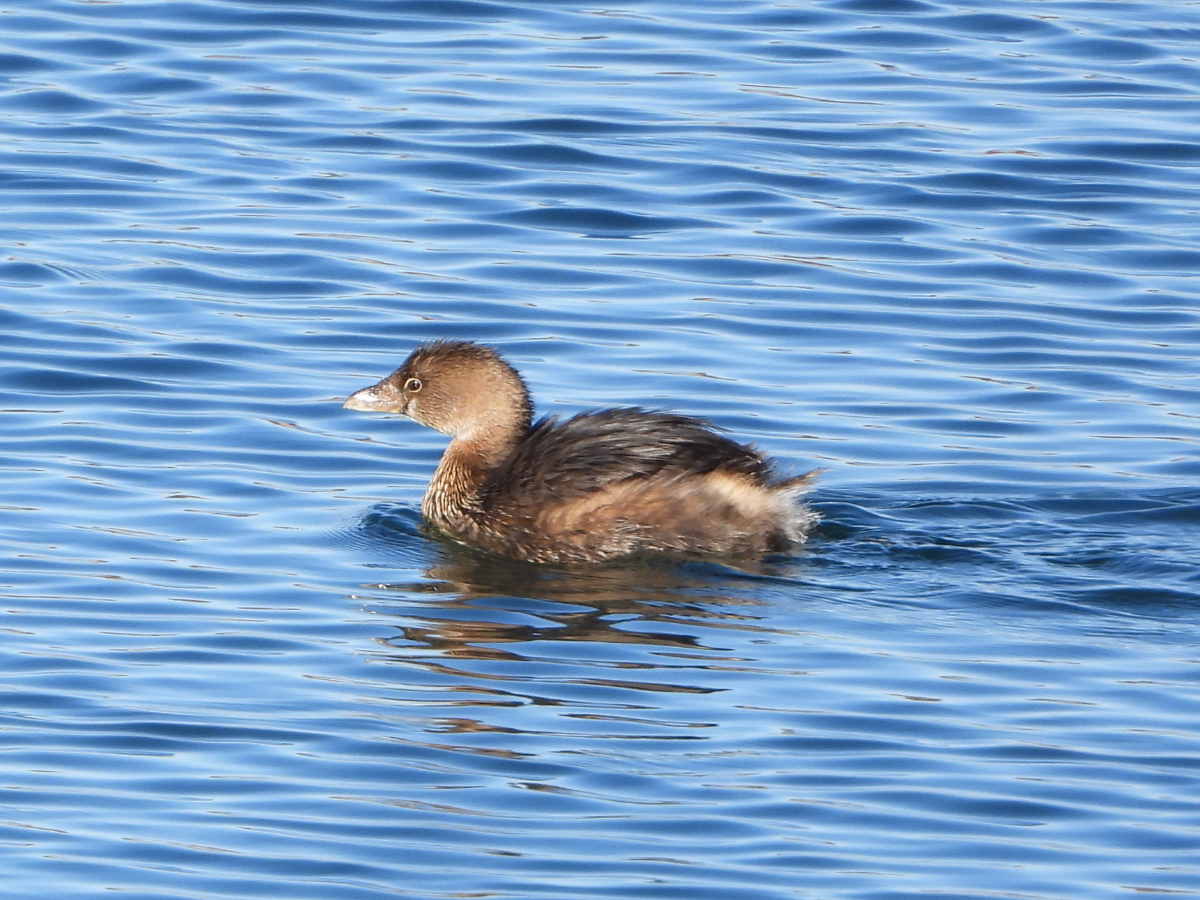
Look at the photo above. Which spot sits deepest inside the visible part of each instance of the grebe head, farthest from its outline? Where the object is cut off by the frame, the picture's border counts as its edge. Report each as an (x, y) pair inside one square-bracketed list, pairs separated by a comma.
[(459, 388)]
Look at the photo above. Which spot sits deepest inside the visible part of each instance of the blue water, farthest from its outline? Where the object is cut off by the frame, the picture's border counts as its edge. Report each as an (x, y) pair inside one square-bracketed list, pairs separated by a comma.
[(948, 252)]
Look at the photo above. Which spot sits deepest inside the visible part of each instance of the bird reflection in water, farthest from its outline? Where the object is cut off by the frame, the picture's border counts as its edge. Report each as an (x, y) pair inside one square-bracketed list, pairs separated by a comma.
[(484, 596)]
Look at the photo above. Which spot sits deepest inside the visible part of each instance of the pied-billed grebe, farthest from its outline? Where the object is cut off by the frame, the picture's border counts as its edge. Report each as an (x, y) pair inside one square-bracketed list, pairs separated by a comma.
[(598, 486)]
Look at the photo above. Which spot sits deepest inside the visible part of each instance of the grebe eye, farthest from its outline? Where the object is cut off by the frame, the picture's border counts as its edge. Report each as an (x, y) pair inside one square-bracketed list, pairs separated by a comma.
[(412, 385)]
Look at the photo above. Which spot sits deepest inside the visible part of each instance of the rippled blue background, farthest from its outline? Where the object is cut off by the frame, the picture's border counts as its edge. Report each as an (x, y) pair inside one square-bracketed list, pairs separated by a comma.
[(948, 252)]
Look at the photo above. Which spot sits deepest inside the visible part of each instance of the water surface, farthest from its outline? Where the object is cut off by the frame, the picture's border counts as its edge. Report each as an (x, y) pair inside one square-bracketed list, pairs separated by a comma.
[(947, 252)]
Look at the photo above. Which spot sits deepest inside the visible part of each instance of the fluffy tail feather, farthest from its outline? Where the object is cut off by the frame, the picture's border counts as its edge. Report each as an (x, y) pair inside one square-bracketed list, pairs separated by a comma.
[(803, 518)]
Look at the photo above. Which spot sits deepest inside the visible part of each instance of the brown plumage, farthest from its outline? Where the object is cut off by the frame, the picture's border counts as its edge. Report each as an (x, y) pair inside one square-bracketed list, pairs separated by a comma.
[(599, 486)]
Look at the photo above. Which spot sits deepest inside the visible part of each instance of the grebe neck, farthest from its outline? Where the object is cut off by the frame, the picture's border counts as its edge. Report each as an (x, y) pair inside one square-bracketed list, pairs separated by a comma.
[(454, 491)]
